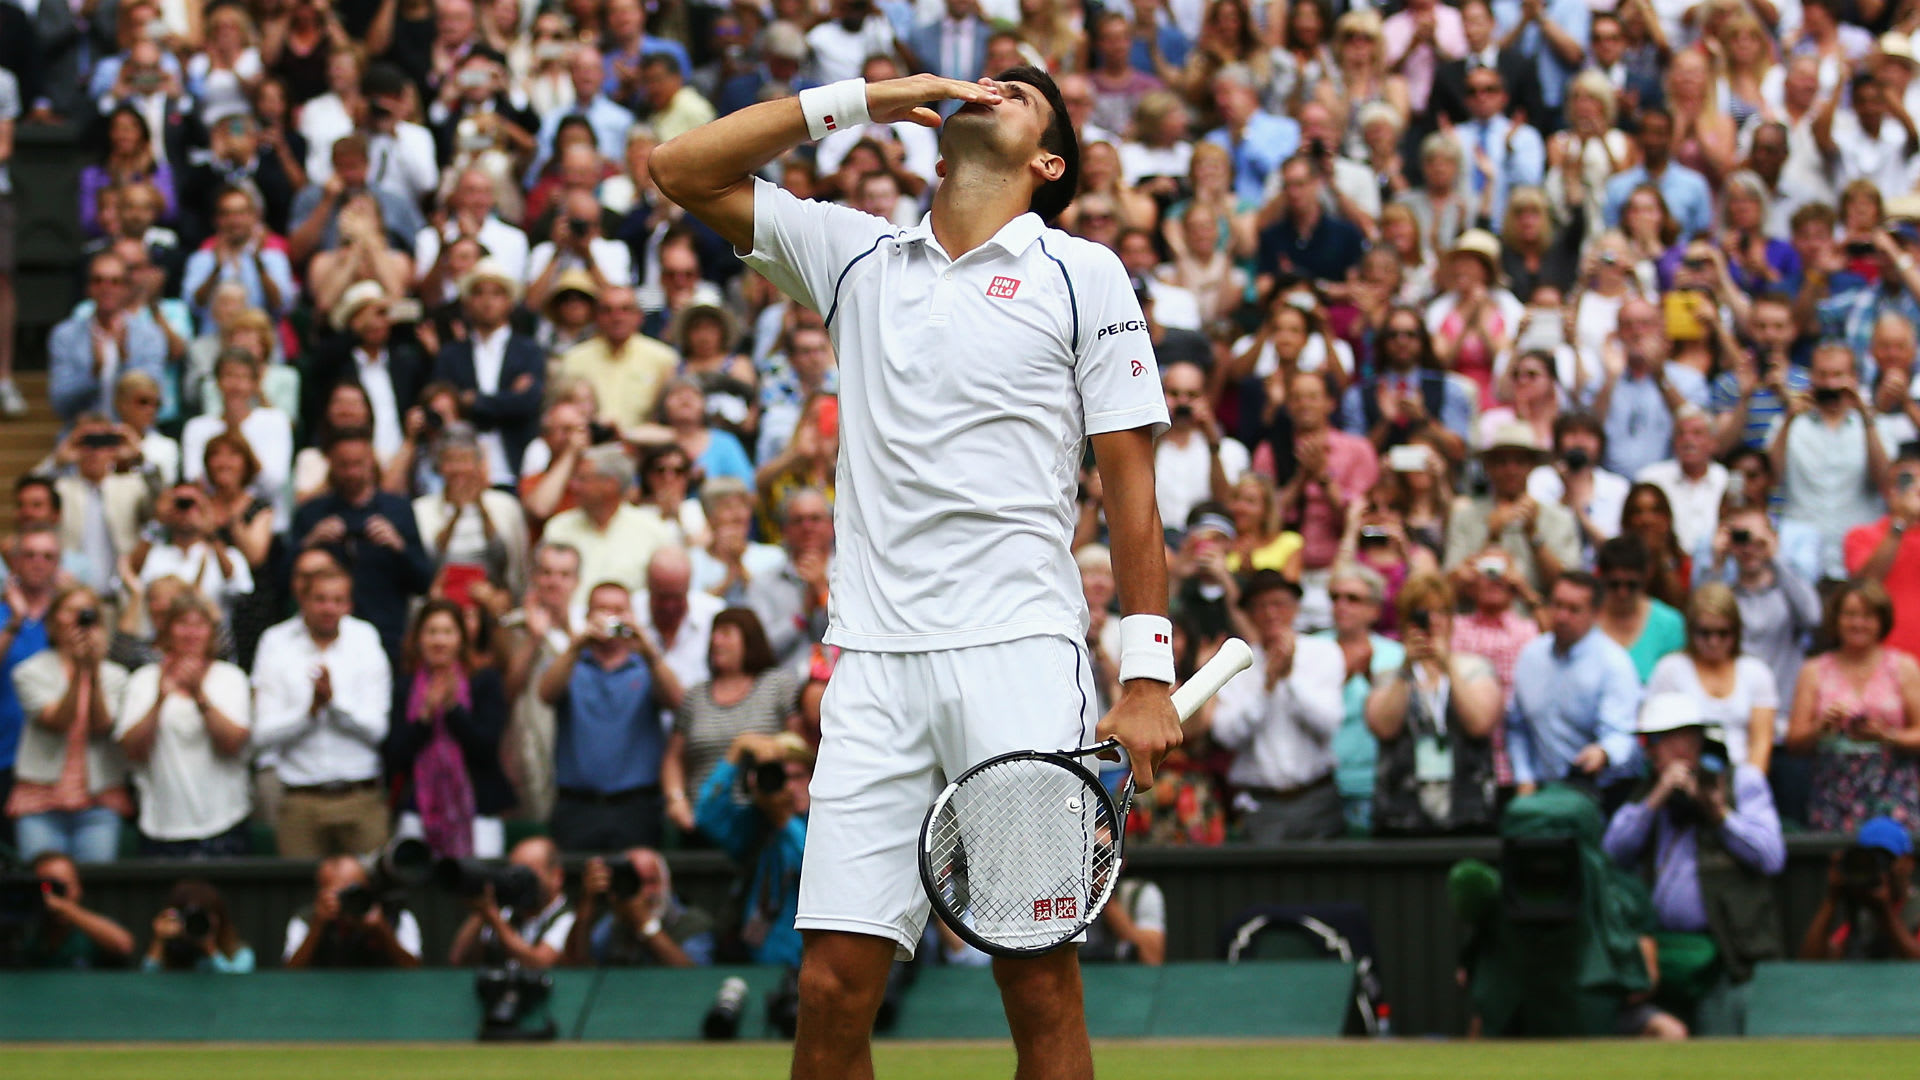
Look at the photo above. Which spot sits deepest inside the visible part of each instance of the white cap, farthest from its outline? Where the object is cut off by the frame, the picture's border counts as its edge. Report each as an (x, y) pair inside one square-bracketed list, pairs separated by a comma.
[(1672, 711)]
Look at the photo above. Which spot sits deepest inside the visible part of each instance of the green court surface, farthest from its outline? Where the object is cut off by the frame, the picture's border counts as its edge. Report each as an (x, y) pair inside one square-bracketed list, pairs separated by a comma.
[(1758, 1059)]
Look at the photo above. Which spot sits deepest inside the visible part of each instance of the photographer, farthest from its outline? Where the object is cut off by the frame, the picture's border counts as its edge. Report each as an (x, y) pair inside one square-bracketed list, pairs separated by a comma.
[(195, 933), (747, 807), (184, 546), (70, 792), (1871, 911), (67, 935), (644, 924), (607, 691), (532, 933), (349, 925), (1706, 834)]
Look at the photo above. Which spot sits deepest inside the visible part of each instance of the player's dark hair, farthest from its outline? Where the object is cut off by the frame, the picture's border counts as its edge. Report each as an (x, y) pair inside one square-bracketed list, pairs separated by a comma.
[(1059, 139)]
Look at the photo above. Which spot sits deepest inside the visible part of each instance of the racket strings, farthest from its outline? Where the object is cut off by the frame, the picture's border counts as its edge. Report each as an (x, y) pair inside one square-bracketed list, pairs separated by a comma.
[(1023, 852)]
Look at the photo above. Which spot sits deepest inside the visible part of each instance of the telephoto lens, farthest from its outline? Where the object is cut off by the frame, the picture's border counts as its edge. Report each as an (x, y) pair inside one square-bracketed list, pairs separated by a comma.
[(723, 1019), (625, 879)]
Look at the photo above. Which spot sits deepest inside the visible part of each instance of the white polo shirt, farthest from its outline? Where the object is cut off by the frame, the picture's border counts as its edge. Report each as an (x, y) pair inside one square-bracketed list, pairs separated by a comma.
[(967, 391)]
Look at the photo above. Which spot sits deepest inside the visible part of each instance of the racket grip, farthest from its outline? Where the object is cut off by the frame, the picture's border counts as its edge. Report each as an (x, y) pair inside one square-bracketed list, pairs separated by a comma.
[(1234, 657)]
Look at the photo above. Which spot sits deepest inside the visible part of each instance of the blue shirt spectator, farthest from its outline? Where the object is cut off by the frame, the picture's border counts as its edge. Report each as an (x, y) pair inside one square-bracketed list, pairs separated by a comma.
[(1574, 18), (1639, 419), (1763, 405), (1688, 198), (1258, 141), (1568, 698), (87, 355), (251, 269), (769, 839), (23, 634), (610, 122), (608, 736)]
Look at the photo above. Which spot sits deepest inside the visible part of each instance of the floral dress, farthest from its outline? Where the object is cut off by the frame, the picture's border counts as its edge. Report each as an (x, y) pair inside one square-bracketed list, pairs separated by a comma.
[(1855, 779)]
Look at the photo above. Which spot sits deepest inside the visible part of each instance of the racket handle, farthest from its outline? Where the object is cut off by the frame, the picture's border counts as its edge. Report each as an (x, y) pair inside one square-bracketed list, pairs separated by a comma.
[(1234, 657)]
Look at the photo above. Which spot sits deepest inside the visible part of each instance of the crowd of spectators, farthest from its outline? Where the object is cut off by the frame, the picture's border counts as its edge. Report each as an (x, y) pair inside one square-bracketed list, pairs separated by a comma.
[(424, 472)]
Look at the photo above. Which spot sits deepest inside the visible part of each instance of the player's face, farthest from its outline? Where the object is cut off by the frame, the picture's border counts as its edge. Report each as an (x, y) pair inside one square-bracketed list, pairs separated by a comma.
[(1010, 130)]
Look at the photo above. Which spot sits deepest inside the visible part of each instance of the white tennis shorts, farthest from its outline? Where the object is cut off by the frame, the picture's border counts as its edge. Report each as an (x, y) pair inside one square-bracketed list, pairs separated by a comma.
[(895, 728)]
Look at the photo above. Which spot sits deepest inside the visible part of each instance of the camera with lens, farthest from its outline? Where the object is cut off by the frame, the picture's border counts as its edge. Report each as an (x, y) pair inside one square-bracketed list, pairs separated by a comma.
[(761, 777), (1862, 870), (625, 881), (618, 629), (1374, 536), (1182, 412), (1827, 395), (1740, 536), (1576, 458), (196, 925), (509, 997), (514, 887)]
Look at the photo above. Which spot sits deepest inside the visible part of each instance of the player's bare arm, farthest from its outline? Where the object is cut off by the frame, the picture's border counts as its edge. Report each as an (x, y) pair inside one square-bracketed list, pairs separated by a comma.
[(709, 170), (1143, 719)]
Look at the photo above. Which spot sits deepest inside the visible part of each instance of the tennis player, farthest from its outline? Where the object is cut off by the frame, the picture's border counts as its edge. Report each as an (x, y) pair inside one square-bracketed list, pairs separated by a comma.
[(979, 352)]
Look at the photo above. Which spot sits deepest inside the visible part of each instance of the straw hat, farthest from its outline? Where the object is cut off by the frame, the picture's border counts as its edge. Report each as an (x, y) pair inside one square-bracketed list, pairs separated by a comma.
[(489, 270), (359, 295)]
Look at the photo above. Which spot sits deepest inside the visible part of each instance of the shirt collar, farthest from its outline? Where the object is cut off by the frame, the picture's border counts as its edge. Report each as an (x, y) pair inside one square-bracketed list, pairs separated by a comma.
[(495, 340), (1013, 238)]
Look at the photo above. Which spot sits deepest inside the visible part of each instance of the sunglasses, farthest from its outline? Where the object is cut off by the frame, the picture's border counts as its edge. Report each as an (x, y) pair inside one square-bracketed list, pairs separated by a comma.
[(1625, 584), (1350, 598), (1482, 91), (1402, 332), (103, 279), (1713, 633), (670, 470)]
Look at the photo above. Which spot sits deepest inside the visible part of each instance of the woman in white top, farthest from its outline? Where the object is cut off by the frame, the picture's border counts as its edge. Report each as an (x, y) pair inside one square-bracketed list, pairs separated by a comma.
[(267, 430), (184, 726), (1606, 282), (222, 77), (1591, 149), (1736, 693), (731, 559)]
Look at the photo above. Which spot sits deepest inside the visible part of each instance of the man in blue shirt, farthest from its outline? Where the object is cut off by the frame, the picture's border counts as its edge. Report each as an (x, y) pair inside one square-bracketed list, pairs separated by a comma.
[(607, 691), (766, 837), (1641, 390), (1554, 34), (23, 610), (1258, 140), (1688, 198), (1575, 695), (609, 121)]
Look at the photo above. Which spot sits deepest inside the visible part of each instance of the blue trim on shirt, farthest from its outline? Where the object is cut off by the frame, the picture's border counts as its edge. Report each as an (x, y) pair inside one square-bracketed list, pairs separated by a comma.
[(848, 269), (1073, 302)]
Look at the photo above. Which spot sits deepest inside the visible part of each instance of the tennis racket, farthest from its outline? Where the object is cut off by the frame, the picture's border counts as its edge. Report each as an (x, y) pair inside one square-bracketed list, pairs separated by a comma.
[(1021, 853)]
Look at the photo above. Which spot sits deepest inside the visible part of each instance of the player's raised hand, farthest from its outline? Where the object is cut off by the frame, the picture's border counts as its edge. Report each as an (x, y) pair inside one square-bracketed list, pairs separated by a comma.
[(1145, 723), (911, 98)]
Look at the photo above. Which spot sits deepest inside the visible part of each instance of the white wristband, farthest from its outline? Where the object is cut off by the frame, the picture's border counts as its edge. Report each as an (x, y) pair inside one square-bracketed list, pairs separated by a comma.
[(834, 107), (1146, 648)]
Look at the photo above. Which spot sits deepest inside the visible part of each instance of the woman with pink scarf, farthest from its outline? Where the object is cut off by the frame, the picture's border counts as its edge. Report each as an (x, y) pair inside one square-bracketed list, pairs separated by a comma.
[(444, 743)]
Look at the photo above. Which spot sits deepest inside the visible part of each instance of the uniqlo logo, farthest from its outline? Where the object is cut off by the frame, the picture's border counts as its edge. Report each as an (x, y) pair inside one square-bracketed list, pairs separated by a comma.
[(1162, 639), (1066, 907), (1042, 910), (827, 122), (1003, 288)]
